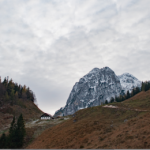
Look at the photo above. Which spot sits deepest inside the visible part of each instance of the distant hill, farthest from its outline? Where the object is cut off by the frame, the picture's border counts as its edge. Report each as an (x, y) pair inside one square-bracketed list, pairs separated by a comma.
[(14, 100), (124, 127)]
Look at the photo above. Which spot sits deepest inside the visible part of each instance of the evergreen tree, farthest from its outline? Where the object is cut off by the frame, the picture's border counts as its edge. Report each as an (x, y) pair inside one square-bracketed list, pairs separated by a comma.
[(133, 92), (106, 102), (137, 90), (127, 95), (12, 126), (3, 141), (10, 87), (146, 86), (116, 99), (5, 82), (121, 98), (20, 131), (16, 88), (12, 134), (16, 133), (143, 87), (112, 100), (12, 96), (28, 93), (7, 98)]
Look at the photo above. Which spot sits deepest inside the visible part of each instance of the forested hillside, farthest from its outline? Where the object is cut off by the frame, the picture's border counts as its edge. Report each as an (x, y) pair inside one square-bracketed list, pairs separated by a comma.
[(10, 92), (14, 100)]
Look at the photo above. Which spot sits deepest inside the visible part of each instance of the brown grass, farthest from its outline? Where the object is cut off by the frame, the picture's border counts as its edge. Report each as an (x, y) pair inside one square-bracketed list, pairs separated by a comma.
[(99, 127), (29, 110)]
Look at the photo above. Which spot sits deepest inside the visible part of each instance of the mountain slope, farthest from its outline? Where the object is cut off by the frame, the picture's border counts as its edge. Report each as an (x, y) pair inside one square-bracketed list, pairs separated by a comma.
[(98, 127), (93, 89), (14, 100)]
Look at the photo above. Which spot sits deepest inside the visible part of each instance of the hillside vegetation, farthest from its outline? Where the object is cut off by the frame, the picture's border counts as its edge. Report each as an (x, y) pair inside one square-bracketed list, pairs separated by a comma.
[(14, 100), (126, 126)]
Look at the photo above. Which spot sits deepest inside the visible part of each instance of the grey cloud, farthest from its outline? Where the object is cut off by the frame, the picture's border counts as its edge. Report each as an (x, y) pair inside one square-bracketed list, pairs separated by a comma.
[(50, 45)]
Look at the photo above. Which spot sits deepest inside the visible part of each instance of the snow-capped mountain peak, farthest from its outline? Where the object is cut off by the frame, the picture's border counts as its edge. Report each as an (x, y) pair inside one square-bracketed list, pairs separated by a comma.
[(128, 82), (96, 87)]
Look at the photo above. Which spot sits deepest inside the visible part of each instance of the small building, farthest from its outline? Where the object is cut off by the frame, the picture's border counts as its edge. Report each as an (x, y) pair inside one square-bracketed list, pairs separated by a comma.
[(46, 116)]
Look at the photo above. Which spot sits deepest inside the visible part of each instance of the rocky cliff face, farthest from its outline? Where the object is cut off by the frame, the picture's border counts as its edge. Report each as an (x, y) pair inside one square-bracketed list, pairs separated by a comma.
[(93, 89)]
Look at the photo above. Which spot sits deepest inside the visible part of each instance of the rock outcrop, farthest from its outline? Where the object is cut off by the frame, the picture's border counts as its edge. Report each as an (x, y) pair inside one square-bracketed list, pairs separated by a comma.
[(93, 89)]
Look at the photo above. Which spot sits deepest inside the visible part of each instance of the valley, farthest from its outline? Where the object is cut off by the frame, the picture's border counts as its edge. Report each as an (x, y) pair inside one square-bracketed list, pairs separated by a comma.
[(125, 126), (103, 111)]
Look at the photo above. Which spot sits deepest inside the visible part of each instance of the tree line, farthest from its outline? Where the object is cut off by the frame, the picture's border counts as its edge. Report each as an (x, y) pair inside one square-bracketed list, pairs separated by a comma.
[(10, 91), (144, 87), (15, 138)]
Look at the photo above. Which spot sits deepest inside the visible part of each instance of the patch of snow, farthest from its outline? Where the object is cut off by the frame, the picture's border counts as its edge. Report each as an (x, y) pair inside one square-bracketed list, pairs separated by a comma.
[(94, 88), (80, 108), (110, 106), (103, 81), (82, 100), (92, 100), (128, 82)]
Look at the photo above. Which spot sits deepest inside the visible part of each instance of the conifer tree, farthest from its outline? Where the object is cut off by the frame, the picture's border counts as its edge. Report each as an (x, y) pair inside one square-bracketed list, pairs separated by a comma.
[(3, 141), (146, 86), (12, 134), (137, 90), (20, 131), (143, 87), (12, 126), (133, 92), (121, 98), (16, 133), (5, 82), (116, 99), (106, 102), (112, 100), (128, 95)]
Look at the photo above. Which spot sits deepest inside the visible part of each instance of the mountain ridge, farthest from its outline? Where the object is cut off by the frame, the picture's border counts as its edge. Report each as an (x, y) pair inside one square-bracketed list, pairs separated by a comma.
[(95, 88)]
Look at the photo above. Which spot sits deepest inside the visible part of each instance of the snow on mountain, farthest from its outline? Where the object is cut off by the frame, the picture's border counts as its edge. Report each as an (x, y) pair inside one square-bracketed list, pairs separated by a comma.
[(95, 88), (128, 82)]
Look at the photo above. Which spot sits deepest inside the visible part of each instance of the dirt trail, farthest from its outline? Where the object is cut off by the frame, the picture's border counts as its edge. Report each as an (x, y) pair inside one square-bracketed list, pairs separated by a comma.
[(38, 122)]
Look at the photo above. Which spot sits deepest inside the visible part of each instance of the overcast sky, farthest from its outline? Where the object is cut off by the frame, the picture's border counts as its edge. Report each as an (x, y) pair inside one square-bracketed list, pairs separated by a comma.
[(49, 45)]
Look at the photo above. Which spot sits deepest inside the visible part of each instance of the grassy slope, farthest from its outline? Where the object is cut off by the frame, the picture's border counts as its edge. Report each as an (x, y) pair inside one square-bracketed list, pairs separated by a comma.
[(29, 110), (100, 127)]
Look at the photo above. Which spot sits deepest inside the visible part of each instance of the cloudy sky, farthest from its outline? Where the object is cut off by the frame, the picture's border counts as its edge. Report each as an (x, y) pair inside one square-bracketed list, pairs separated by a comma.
[(49, 45)]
